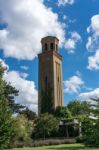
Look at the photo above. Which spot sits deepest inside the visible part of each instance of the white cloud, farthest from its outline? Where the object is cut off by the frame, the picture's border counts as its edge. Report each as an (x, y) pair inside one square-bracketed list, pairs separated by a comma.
[(89, 95), (24, 67), (64, 17), (65, 2), (71, 43), (93, 29), (28, 94), (28, 21), (23, 75), (93, 61), (89, 42), (93, 43), (73, 84), (4, 65)]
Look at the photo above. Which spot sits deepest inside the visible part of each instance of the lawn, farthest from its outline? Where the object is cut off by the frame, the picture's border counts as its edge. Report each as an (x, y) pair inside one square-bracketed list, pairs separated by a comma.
[(60, 147)]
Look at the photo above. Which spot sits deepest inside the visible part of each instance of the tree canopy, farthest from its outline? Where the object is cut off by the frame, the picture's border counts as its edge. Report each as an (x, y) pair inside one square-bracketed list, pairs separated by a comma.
[(77, 107), (62, 112)]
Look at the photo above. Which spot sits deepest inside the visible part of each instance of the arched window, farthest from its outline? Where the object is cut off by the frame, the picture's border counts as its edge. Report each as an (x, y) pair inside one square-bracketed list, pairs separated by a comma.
[(46, 47), (51, 46)]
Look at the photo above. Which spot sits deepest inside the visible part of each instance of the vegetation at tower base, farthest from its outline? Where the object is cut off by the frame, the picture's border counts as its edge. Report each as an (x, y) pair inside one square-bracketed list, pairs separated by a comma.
[(45, 126), (62, 112), (47, 101), (22, 132), (79, 108), (28, 114)]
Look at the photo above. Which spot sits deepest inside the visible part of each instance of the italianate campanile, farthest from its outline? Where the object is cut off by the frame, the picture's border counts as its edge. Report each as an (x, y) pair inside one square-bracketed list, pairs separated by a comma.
[(50, 87)]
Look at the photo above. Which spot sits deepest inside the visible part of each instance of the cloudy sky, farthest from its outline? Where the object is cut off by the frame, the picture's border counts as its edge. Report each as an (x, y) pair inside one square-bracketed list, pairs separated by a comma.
[(75, 22)]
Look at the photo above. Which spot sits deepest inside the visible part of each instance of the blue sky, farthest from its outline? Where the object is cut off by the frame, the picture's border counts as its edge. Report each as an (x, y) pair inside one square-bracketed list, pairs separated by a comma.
[(76, 24)]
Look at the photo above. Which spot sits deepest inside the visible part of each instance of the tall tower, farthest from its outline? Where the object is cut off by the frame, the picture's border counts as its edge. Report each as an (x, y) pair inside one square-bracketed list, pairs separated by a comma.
[(50, 75)]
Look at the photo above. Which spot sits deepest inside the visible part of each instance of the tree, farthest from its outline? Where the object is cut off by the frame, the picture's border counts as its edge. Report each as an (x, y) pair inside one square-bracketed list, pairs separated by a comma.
[(5, 115), (62, 112), (91, 126), (22, 131), (7, 107), (9, 92), (6, 125), (45, 125), (78, 108), (95, 106), (30, 115), (85, 107)]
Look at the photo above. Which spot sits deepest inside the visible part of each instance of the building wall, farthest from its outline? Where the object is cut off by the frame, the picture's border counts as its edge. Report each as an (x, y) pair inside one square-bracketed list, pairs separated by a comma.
[(58, 86), (45, 70)]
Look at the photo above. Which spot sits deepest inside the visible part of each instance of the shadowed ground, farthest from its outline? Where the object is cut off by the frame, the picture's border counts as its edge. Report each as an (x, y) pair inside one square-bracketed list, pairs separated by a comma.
[(60, 147)]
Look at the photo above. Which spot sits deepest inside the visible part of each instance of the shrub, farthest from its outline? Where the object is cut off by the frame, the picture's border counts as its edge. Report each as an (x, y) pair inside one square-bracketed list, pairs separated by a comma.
[(91, 132), (45, 126), (79, 139), (53, 142)]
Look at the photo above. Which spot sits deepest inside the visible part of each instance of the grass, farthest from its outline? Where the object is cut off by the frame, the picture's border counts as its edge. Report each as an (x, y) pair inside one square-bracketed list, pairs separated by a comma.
[(60, 147)]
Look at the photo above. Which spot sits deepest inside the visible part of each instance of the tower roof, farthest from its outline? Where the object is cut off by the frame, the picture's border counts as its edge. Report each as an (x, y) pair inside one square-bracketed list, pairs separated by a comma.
[(49, 37)]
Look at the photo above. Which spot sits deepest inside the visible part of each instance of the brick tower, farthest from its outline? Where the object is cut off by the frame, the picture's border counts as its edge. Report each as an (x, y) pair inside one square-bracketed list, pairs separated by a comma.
[(50, 88)]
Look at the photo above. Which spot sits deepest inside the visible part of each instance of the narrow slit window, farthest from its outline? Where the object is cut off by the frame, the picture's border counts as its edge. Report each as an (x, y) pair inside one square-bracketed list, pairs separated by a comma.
[(58, 79), (46, 82), (56, 47)]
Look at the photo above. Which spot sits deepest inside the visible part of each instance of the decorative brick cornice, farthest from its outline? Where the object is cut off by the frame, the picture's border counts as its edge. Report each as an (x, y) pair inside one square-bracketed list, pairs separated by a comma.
[(50, 53)]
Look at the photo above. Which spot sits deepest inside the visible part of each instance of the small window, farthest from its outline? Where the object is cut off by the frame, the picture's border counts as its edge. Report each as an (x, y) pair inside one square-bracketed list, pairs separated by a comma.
[(46, 47), (52, 46)]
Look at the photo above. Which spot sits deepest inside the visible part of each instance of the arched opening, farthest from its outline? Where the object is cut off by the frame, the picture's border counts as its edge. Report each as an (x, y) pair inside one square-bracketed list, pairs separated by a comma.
[(46, 47), (51, 46)]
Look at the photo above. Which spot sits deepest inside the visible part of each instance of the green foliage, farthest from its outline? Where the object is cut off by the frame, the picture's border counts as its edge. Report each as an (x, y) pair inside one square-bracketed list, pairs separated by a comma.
[(5, 115), (89, 132), (79, 108), (7, 107), (47, 101), (74, 107), (45, 125), (22, 131), (9, 92), (91, 126), (6, 124), (30, 115), (62, 113), (95, 106)]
